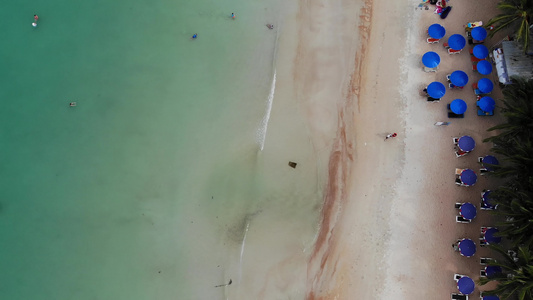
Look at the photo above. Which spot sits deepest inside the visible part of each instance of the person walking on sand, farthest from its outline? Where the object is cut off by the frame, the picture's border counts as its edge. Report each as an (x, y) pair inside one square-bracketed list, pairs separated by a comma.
[(233, 16), (390, 135)]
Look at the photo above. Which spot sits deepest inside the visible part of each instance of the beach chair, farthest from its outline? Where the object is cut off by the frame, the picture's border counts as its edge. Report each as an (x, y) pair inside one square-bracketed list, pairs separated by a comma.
[(458, 181), (456, 276), (483, 113), (475, 59), (460, 153), (455, 140), (427, 70), (451, 51), (453, 86), (458, 205), (432, 40), (460, 219), (459, 296), (482, 273), (458, 171), (485, 261), (482, 242), (446, 46), (483, 171), (434, 100)]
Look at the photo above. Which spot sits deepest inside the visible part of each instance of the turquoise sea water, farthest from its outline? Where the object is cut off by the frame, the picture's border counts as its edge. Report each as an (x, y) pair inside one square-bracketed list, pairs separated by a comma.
[(146, 188)]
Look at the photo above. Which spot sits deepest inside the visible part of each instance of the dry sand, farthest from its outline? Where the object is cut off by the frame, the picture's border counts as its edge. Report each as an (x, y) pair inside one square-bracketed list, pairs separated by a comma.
[(389, 217)]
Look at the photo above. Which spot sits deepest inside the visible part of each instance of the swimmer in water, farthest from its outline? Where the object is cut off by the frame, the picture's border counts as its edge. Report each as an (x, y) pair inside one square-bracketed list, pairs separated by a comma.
[(194, 36), (36, 18), (233, 15)]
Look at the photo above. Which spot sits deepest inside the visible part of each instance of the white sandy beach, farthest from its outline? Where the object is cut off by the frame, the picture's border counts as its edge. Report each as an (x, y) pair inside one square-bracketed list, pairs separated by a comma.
[(390, 216)]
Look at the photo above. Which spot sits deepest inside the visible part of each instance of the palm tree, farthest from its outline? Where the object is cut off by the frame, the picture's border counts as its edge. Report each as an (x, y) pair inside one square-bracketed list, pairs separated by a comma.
[(516, 207), (517, 277), (518, 110), (517, 15)]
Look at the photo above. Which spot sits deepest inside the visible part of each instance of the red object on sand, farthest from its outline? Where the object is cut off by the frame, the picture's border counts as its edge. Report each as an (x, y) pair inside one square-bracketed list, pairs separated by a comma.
[(394, 134)]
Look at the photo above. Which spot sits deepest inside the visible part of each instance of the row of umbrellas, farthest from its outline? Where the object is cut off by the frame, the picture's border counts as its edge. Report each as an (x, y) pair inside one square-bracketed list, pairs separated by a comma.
[(438, 31), (437, 89), (467, 247), (431, 59)]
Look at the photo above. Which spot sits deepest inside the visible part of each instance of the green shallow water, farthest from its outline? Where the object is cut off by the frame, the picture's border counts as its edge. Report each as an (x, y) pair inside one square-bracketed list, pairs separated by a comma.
[(156, 172)]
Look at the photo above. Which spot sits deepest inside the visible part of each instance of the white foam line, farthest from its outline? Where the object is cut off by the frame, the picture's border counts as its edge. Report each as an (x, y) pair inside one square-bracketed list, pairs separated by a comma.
[(242, 251), (262, 131)]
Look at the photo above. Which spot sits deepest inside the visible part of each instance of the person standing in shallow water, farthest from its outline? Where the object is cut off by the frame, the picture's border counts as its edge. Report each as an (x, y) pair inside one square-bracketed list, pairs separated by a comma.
[(233, 16)]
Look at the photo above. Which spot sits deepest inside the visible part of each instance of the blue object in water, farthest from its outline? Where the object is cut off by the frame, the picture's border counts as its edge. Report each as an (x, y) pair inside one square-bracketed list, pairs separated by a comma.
[(468, 177), (485, 85), (431, 59), (456, 41), (486, 104), (479, 33), (458, 106), (459, 78), (467, 247), (484, 67), (480, 51), (436, 31), (468, 211), (436, 90), (466, 285), (466, 143), (489, 236)]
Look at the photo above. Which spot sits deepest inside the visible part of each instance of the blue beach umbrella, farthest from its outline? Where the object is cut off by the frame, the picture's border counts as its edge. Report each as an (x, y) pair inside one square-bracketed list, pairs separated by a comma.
[(467, 247), (466, 285), (486, 104), (436, 31), (489, 237), (458, 106), (459, 78), (468, 211), (431, 59), (466, 143), (468, 177), (491, 271), (485, 85), (456, 41), (436, 90), (487, 201), (480, 51), (489, 161), (490, 298), (479, 33), (484, 67)]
